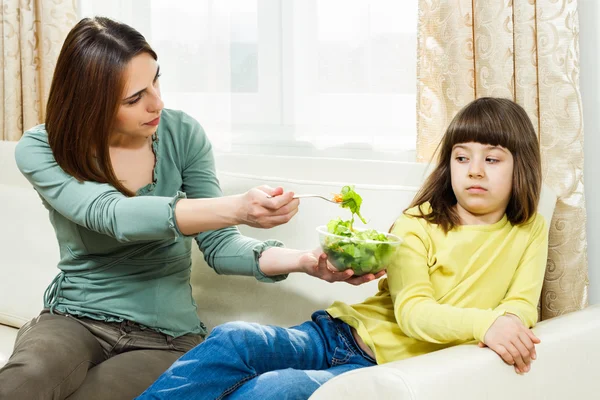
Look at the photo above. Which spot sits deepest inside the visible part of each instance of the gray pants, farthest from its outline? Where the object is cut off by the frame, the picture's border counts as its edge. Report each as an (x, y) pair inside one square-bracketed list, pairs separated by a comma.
[(59, 356)]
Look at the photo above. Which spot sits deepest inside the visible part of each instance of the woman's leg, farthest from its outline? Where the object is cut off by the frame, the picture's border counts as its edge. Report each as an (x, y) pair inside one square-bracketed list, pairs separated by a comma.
[(236, 353), (137, 356), (51, 358), (125, 376)]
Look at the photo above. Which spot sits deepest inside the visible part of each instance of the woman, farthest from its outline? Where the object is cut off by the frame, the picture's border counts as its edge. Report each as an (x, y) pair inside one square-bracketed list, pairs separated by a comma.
[(128, 184)]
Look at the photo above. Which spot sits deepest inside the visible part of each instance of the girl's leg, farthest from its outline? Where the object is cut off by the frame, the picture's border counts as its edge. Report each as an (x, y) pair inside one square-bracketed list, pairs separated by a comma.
[(288, 384), (235, 353), (52, 356)]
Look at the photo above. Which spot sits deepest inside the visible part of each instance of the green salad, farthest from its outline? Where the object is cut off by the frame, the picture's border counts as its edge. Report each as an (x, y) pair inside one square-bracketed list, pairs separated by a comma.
[(363, 250)]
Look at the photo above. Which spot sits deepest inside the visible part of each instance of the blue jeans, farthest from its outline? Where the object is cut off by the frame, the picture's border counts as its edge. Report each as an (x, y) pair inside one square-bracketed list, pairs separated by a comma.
[(240, 360)]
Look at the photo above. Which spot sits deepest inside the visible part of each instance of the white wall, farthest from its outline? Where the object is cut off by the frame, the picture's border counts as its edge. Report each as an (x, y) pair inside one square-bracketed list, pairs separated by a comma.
[(589, 46)]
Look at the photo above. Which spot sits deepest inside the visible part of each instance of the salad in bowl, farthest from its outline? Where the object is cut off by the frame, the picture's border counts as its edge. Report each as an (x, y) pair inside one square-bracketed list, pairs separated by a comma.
[(363, 250)]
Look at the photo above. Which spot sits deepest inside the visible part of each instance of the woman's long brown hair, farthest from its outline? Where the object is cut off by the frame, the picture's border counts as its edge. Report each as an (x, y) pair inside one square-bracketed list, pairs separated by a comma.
[(497, 122), (85, 95)]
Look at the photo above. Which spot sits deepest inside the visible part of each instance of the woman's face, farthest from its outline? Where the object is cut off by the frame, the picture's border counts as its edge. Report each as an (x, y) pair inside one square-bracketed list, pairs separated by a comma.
[(139, 111)]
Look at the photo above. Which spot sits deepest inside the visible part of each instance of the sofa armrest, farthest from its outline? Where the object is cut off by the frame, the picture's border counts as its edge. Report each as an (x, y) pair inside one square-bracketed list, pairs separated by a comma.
[(564, 369)]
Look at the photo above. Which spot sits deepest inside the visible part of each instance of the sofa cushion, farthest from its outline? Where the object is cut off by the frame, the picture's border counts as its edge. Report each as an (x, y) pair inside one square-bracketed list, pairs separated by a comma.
[(29, 254), (8, 334)]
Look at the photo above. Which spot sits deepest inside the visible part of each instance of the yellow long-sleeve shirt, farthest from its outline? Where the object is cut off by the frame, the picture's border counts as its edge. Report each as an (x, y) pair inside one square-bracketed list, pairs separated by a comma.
[(446, 289)]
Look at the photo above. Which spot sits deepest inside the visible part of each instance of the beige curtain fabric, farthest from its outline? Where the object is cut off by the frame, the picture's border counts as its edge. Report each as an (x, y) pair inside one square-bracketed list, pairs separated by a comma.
[(526, 50), (32, 35)]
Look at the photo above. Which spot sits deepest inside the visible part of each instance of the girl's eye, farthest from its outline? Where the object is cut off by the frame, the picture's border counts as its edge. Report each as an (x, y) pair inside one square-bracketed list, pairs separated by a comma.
[(461, 159), (156, 79), (492, 160)]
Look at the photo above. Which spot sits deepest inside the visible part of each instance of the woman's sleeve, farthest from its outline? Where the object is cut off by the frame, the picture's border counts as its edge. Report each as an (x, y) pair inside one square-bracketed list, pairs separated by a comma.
[(95, 206), (417, 312), (225, 250), (524, 291)]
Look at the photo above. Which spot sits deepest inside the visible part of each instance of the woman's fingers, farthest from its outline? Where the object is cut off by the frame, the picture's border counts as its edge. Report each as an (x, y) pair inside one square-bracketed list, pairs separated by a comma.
[(359, 280), (271, 191)]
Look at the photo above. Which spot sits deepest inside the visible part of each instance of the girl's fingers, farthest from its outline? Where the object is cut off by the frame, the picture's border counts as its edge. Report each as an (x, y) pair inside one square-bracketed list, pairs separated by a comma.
[(524, 353), (504, 354), (516, 355), (532, 336)]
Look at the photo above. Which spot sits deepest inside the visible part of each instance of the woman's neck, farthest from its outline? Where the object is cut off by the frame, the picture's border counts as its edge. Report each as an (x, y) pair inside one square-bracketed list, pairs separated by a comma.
[(128, 142)]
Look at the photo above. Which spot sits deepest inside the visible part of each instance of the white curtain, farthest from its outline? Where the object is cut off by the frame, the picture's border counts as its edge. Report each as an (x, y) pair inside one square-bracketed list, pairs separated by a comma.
[(302, 77)]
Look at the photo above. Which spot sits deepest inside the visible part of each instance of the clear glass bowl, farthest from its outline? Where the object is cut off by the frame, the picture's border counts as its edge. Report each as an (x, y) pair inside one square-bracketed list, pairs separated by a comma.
[(362, 256)]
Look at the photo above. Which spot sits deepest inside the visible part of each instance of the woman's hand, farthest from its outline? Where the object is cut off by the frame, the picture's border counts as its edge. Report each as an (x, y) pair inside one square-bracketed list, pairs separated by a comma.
[(259, 211), (512, 341), (316, 264), (279, 260)]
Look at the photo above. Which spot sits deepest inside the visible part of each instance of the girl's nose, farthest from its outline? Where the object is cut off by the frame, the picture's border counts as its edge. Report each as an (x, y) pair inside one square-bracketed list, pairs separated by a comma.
[(475, 170)]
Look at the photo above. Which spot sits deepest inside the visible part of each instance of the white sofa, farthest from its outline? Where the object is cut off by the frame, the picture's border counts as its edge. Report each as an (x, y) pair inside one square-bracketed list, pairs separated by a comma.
[(567, 355)]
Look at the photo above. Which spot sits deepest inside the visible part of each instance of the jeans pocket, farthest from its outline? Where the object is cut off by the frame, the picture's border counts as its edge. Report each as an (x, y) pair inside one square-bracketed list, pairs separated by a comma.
[(186, 342), (340, 356)]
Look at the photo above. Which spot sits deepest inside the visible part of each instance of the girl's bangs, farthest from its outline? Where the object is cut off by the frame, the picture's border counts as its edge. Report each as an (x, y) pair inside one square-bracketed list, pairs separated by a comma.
[(482, 126)]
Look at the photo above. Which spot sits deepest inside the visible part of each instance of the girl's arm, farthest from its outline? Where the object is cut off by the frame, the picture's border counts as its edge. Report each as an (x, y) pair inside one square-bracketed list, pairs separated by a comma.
[(509, 336), (524, 292), (417, 312)]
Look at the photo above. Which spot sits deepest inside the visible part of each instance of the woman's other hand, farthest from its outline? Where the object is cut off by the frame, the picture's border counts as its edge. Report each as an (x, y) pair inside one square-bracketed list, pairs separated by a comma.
[(259, 210), (316, 264)]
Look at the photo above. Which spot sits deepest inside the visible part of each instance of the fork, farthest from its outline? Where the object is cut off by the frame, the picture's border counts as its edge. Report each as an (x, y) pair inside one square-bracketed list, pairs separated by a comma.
[(301, 196)]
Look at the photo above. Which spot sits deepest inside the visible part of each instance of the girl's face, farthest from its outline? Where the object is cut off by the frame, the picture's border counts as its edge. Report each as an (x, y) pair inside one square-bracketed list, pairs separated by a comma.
[(139, 112), (482, 181)]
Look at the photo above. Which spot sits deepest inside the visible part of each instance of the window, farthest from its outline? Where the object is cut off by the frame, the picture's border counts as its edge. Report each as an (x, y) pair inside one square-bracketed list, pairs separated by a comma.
[(331, 78)]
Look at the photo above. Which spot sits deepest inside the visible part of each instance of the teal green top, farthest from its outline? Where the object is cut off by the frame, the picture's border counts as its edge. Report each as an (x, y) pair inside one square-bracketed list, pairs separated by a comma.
[(124, 258)]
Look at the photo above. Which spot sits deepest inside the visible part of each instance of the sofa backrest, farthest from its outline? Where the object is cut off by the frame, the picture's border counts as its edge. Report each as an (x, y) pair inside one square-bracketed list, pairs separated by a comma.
[(29, 251)]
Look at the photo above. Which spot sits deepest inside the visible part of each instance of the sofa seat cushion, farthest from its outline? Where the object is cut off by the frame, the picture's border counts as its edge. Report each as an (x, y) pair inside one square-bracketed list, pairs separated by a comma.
[(29, 254), (8, 335)]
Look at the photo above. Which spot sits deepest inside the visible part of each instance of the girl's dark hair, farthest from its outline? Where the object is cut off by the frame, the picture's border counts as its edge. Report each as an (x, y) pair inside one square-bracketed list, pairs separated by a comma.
[(85, 95), (489, 121)]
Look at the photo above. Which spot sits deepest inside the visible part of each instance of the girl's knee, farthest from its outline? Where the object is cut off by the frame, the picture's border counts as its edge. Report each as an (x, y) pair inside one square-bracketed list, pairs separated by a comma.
[(236, 328)]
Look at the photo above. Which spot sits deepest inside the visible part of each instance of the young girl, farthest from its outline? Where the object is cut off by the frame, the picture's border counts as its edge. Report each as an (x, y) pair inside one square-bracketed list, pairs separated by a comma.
[(470, 268), (128, 184)]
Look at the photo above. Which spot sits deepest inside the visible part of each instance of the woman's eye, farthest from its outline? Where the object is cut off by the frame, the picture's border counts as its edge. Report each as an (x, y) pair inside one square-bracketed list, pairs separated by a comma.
[(492, 160), (132, 102), (461, 159)]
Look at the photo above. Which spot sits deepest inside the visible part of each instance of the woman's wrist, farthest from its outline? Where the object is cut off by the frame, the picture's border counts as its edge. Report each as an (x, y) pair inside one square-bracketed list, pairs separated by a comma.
[(278, 261)]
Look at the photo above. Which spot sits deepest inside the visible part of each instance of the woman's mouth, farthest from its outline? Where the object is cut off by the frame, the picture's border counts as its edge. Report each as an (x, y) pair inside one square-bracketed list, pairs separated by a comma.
[(154, 122)]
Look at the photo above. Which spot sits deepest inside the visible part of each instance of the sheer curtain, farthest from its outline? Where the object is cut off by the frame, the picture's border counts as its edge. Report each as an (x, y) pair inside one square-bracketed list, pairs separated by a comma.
[(334, 78)]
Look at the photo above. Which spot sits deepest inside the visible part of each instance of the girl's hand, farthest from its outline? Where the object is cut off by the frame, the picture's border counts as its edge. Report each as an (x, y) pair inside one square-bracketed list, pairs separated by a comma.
[(259, 211), (316, 264), (512, 341)]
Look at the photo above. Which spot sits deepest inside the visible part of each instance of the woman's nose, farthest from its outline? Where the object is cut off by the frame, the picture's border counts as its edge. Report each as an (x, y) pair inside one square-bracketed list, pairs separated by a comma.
[(156, 104)]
